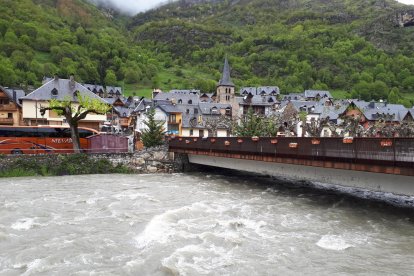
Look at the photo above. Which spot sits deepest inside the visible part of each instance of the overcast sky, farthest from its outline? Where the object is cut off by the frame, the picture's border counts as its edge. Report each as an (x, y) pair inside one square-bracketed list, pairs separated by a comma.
[(132, 6), (411, 2), (135, 6)]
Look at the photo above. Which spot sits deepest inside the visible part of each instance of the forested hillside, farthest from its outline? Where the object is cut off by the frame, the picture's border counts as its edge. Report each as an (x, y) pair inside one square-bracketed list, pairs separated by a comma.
[(47, 37), (348, 46), (351, 47)]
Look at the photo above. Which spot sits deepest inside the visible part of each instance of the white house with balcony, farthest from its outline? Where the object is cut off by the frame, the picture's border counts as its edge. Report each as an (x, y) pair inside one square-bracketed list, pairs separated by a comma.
[(59, 89)]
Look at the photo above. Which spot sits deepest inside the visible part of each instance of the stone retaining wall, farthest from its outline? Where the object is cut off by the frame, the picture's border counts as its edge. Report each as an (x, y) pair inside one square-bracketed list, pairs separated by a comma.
[(153, 160)]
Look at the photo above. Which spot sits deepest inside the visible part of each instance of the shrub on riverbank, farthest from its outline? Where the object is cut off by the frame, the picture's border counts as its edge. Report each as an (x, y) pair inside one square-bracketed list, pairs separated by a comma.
[(54, 165)]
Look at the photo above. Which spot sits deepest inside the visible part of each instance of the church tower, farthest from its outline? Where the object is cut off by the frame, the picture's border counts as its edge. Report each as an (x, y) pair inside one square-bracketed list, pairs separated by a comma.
[(225, 87)]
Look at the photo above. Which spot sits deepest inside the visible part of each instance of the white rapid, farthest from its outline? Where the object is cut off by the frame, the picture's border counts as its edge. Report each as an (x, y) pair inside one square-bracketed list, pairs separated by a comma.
[(196, 224)]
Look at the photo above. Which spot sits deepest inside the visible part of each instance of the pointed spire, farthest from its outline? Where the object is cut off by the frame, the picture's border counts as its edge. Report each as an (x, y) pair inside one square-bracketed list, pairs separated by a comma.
[(225, 79)]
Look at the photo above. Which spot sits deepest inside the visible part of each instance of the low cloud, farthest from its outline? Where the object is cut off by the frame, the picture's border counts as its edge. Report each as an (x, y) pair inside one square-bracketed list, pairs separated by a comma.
[(130, 7), (408, 2)]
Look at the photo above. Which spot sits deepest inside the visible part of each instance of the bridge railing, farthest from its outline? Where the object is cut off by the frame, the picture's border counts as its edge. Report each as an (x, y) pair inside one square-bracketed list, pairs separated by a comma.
[(382, 151)]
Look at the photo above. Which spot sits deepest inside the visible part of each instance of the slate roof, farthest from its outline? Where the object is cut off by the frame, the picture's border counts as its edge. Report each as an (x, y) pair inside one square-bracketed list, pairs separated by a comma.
[(10, 93), (248, 90), (376, 110), (124, 112), (317, 93), (110, 100), (207, 107), (257, 100), (206, 97), (184, 98), (186, 92), (115, 90), (226, 79), (268, 90), (294, 96), (261, 90), (60, 89), (308, 105), (169, 108), (141, 106), (94, 87)]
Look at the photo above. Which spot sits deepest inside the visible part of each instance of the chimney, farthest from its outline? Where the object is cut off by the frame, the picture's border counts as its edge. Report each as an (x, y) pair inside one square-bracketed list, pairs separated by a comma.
[(72, 82), (56, 77), (14, 96)]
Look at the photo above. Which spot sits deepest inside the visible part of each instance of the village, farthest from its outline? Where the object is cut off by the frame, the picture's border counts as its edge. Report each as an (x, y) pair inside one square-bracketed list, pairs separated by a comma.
[(222, 113)]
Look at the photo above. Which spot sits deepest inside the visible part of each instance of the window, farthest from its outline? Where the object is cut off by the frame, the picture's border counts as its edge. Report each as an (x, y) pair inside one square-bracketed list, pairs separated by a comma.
[(172, 118), (191, 132), (10, 115), (179, 101), (54, 92), (187, 111), (195, 111), (190, 102)]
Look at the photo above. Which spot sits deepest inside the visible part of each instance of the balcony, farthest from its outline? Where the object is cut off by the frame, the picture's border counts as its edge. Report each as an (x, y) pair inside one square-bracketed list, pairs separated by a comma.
[(8, 107), (124, 122), (6, 121), (174, 122)]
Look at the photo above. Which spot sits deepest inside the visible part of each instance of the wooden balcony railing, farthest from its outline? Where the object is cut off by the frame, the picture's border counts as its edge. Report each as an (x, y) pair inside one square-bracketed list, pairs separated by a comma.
[(394, 152), (6, 121), (8, 107)]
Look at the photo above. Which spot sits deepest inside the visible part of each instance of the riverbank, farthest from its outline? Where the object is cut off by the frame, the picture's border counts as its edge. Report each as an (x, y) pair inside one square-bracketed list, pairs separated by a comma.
[(152, 160)]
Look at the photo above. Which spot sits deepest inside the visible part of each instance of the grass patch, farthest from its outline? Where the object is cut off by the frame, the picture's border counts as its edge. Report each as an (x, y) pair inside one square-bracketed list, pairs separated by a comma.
[(43, 57), (339, 94), (73, 164), (168, 79), (18, 172)]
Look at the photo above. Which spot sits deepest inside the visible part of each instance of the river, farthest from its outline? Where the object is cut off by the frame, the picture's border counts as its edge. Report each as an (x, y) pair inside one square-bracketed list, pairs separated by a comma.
[(196, 224)]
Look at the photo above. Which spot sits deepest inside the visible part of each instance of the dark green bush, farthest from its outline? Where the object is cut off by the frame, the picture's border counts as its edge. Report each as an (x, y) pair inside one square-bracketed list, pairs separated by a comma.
[(72, 164)]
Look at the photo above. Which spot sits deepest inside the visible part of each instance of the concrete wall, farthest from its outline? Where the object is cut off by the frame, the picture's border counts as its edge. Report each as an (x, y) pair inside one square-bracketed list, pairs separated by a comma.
[(390, 183)]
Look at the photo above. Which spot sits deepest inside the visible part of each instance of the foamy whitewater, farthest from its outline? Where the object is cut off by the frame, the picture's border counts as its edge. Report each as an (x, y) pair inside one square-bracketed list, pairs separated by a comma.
[(197, 224)]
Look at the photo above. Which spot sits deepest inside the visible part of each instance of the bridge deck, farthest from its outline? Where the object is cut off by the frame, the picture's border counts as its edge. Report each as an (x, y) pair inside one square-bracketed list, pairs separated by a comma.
[(380, 155)]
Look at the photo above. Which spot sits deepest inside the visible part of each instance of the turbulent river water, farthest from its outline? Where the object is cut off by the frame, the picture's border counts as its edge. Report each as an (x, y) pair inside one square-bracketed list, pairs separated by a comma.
[(196, 224)]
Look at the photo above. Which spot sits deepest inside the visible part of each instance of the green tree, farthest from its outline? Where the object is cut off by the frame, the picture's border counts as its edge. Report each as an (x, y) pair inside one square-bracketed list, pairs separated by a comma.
[(408, 83), (110, 77), (74, 110), (393, 96), (250, 125), (132, 76), (154, 134)]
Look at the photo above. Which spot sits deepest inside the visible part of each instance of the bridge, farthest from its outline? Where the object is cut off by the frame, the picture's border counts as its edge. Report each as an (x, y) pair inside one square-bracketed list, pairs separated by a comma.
[(376, 164)]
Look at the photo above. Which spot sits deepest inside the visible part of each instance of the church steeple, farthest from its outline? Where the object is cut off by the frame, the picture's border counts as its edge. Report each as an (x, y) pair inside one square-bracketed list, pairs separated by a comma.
[(225, 79), (225, 87)]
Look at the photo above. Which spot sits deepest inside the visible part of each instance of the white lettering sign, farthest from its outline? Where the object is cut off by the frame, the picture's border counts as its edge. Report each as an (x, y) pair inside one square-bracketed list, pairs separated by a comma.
[(62, 140)]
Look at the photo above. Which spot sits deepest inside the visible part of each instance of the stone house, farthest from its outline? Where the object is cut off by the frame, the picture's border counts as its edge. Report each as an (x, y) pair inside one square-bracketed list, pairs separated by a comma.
[(10, 107)]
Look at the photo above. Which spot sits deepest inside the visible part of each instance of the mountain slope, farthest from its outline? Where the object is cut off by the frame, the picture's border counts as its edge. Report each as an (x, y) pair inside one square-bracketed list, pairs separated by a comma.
[(351, 46), (46, 37)]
